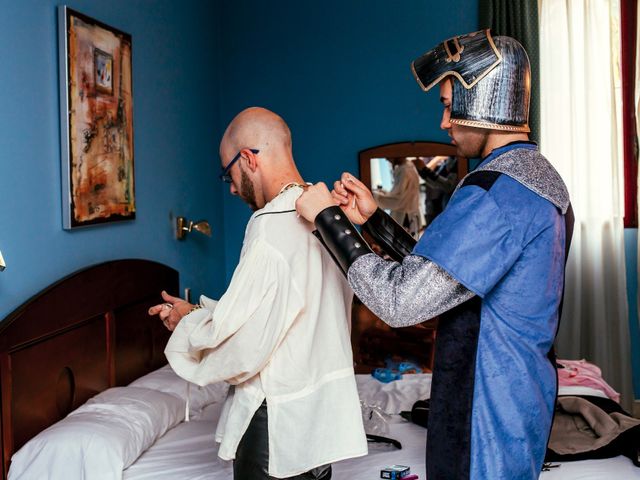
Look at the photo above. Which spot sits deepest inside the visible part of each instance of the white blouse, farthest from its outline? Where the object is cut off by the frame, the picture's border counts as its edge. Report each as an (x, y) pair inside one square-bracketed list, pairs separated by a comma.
[(281, 332)]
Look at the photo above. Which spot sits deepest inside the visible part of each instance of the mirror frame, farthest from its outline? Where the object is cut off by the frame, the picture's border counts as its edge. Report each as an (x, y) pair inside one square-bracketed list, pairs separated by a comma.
[(367, 330), (408, 149)]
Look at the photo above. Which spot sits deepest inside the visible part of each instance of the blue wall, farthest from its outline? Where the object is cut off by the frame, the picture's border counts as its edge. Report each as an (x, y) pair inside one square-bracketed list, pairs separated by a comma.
[(176, 88), (338, 72)]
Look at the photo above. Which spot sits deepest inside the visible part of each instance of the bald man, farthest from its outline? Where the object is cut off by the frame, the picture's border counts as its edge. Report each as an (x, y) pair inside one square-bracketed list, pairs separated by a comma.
[(280, 334)]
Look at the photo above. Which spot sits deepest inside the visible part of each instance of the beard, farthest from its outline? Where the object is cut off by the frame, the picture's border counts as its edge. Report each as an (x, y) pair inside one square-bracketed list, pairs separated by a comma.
[(470, 141), (247, 191)]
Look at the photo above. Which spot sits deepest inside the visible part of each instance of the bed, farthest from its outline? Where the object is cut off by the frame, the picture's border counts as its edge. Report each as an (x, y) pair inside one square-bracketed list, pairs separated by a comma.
[(88, 336)]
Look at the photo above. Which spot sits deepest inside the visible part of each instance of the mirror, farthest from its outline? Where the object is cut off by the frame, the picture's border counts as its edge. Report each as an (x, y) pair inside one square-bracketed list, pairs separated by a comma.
[(393, 172), (412, 181)]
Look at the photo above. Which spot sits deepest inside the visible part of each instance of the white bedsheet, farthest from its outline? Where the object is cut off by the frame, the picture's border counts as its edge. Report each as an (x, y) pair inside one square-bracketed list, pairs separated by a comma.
[(396, 396), (188, 452), (618, 468), (413, 439)]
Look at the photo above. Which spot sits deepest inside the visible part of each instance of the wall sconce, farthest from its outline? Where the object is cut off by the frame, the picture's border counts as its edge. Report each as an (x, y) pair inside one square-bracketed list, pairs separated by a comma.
[(2, 264), (184, 226)]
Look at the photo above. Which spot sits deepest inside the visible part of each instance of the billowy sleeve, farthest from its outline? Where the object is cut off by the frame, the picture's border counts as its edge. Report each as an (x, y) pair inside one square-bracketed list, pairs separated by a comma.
[(234, 338)]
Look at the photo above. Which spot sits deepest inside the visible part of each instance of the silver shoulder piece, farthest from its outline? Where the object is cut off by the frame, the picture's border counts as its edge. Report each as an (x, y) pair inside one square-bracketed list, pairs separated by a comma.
[(531, 169)]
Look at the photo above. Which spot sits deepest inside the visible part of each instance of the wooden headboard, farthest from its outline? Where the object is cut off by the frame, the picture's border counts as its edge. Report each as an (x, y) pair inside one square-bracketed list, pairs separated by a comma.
[(85, 333)]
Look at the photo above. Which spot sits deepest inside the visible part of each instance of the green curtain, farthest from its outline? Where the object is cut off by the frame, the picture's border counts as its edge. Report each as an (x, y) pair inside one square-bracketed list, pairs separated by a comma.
[(518, 19)]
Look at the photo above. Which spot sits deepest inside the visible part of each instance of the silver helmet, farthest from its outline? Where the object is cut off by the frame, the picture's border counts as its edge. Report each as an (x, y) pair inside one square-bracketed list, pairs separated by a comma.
[(494, 80)]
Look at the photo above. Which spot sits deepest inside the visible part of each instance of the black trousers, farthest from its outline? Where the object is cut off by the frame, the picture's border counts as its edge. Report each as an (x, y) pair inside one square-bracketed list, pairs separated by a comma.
[(252, 456)]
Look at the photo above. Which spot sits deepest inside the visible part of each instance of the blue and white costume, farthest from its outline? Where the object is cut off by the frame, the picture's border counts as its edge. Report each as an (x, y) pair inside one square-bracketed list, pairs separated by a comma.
[(492, 266)]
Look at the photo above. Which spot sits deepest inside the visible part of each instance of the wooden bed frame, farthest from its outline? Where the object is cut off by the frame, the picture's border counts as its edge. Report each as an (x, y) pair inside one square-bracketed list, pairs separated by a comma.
[(87, 332)]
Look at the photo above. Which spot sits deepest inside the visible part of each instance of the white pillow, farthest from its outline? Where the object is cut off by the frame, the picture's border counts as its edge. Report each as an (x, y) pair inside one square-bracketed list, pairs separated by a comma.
[(166, 380), (100, 438), (397, 396)]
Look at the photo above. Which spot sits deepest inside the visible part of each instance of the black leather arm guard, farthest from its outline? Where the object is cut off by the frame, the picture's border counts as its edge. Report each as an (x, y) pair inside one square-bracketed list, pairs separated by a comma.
[(394, 240), (340, 238)]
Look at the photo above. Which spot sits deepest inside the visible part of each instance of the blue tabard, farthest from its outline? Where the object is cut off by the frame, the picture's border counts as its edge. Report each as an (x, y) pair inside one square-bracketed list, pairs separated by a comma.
[(494, 387)]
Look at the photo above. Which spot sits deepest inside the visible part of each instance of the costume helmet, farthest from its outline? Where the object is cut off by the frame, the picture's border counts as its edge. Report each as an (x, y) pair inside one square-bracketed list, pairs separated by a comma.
[(493, 80)]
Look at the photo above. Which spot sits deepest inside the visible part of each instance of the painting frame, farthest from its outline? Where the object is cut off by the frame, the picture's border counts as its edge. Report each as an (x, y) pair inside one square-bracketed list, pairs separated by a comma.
[(96, 121)]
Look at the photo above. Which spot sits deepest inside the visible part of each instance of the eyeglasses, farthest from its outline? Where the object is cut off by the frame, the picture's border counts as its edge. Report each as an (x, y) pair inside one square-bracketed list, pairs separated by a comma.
[(224, 176)]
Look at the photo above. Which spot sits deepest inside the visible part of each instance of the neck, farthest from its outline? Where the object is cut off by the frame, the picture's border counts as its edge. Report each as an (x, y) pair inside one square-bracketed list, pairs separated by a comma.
[(497, 139), (274, 186)]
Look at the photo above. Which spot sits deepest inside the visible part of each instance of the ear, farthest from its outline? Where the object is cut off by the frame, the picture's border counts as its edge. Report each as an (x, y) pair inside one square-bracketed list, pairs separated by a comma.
[(251, 159)]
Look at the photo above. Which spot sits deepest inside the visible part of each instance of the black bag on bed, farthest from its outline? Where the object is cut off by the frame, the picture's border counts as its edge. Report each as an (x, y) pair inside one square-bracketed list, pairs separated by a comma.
[(582, 431), (419, 413)]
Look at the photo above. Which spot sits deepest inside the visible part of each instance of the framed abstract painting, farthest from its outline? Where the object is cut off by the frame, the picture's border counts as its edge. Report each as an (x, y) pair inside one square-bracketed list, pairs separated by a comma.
[(96, 110)]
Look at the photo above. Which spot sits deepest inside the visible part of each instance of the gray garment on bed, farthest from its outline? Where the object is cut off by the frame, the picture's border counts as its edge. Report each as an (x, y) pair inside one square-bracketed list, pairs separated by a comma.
[(407, 293), (580, 426)]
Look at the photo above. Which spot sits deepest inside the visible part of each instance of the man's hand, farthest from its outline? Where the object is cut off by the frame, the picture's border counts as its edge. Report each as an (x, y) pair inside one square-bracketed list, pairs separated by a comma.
[(313, 200), (355, 199), (172, 311)]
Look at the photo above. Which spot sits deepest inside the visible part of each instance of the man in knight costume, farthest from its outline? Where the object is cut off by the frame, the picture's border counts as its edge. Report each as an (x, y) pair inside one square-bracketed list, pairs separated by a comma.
[(491, 266)]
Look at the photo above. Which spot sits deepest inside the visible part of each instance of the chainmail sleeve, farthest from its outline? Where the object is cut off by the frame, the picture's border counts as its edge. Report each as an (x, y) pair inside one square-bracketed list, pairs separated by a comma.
[(406, 293)]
